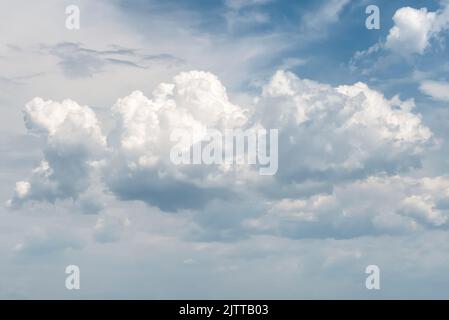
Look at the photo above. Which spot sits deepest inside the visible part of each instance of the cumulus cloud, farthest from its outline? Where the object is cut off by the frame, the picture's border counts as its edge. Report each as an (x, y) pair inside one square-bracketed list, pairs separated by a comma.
[(346, 132), (73, 142), (414, 29), (333, 143), (141, 168), (411, 31)]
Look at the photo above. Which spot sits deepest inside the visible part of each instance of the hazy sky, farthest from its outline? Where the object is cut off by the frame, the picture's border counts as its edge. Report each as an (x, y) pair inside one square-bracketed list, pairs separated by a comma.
[(363, 177)]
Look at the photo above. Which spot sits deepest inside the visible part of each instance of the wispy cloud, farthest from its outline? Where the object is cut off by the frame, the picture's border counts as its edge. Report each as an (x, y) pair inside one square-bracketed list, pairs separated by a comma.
[(438, 90)]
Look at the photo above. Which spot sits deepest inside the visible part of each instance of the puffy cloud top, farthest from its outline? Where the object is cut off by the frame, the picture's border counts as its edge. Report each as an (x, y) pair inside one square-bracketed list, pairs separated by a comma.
[(195, 101), (414, 28), (73, 139), (52, 119), (347, 130)]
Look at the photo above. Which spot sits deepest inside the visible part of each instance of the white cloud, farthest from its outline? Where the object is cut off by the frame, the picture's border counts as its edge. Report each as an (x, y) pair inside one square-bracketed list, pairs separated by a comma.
[(327, 135), (332, 139), (140, 167), (338, 133), (414, 29), (73, 141), (22, 188), (438, 90)]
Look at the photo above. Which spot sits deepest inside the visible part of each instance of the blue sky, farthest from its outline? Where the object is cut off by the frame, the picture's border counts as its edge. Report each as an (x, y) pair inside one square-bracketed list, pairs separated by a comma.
[(328, 47), (363, 171)]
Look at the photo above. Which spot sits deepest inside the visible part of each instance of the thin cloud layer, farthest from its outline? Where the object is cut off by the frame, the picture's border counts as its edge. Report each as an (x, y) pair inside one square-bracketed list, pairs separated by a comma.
[(438, 90)]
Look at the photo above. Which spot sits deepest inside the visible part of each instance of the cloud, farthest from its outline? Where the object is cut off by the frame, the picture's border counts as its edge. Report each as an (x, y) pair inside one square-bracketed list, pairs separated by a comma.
[(327, 14), (355, 132), (337, 133), (163, 58), (290, 63), (245, 13), (77, 61), (391, 205), (73, 141), (236, 226), (46, 242), (414, 29), (110, 228), (438, 90), (333, 141), (235, 268), (141, 168)]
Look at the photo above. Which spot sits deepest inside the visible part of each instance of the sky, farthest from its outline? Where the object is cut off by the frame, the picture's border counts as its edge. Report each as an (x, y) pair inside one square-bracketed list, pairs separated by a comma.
[(86, 178)]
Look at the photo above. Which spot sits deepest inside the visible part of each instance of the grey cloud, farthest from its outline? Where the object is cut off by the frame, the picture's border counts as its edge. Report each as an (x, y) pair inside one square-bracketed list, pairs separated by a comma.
[(163, 58), (78, 61), (166, 193)]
